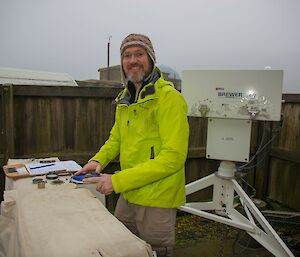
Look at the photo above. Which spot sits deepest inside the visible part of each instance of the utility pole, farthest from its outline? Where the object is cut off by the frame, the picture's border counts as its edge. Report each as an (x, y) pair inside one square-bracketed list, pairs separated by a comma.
[(108, 46)]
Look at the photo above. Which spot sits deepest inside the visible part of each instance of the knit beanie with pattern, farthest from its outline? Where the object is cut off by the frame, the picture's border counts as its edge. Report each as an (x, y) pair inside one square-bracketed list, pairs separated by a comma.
[(139, 40)]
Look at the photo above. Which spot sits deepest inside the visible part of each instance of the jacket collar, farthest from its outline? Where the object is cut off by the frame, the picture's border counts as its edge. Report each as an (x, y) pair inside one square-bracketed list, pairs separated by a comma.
[(147, 90)]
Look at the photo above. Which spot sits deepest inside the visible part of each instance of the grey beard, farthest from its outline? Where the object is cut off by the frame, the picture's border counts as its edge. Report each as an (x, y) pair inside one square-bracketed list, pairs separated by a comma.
[(138, 79)]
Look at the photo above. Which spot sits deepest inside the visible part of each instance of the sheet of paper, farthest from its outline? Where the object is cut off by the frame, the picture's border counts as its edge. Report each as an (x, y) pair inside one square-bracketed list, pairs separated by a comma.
[(70, 165), (43, 168)]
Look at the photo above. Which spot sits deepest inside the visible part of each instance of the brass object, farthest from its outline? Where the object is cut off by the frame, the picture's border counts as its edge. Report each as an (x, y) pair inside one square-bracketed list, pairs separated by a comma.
[(41, 184)]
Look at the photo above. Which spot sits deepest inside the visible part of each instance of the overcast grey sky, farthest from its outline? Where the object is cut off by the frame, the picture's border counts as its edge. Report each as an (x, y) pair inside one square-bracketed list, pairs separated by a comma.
[(71, 36)]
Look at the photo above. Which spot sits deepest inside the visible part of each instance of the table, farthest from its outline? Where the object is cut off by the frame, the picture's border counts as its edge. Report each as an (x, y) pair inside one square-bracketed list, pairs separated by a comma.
[(23, 183), (62, 221)]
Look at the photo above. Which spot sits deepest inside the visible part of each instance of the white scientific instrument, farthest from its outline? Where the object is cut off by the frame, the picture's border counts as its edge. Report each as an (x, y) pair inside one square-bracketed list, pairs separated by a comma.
[(231, 99)]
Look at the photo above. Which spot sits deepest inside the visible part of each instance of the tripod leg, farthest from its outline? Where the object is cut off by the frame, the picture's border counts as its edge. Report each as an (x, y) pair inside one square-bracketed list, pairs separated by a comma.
[(265, 235)]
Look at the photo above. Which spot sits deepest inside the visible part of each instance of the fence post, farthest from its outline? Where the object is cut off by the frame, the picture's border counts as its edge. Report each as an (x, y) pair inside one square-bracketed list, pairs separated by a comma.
[(262, 170), (8, 122)]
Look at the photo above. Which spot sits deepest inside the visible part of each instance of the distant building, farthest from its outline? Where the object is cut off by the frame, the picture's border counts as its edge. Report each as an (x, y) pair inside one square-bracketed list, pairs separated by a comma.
[(32, 77), (114, 74)]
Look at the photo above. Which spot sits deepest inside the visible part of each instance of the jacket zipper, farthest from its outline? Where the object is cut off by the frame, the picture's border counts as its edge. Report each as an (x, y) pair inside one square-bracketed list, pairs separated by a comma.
[(152, 152)]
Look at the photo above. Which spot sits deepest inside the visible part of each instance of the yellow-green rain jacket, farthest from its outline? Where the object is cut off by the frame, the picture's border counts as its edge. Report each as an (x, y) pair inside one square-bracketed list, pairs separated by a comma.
[(151, 136)]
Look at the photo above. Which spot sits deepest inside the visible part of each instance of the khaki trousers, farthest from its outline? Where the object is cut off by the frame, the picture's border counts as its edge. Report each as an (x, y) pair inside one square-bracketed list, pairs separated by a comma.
[(154, 225)]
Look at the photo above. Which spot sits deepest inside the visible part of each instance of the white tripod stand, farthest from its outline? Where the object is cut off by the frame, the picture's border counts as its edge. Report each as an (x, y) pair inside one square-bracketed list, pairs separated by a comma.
[(231, 99), (224, 188)]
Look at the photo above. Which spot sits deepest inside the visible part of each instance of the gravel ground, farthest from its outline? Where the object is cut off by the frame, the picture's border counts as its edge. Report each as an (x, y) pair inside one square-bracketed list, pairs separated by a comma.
[(199, 237)]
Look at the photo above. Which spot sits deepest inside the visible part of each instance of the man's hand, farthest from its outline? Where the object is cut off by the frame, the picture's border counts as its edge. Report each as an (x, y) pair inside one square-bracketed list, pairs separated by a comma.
[(104, 183), (89, 167)]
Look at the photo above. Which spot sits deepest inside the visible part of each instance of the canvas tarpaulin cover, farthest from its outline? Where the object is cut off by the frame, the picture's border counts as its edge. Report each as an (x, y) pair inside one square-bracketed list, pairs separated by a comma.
[(63, 221)]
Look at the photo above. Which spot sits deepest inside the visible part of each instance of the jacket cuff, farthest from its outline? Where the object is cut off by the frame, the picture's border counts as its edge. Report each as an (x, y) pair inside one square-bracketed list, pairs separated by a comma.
[(99, 160)]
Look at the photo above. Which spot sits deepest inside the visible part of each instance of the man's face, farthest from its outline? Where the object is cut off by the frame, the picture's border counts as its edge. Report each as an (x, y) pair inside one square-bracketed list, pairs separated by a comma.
[(136, 63)]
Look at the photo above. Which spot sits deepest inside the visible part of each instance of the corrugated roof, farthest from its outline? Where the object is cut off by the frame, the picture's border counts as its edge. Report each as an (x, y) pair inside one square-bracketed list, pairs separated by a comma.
[(30, 77)]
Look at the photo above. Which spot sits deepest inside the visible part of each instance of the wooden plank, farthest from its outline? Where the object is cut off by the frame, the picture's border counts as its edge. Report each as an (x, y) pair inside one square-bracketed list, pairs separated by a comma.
[(284, 183), (198, 131), (2, 161), (287, 155), (1, 126), (2, 184), (8, 120), (196, 152), (2, 146), (60, 91), (62, 124), (262, 162), (289, 134), (291, 98)]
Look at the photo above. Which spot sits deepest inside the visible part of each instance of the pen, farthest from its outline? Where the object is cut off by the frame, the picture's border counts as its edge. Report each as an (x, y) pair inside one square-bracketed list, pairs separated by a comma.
[(42, 166)]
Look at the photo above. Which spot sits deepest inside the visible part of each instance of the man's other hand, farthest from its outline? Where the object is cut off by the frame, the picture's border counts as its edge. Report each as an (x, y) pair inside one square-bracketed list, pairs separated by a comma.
[(90, 167), (104, 183)]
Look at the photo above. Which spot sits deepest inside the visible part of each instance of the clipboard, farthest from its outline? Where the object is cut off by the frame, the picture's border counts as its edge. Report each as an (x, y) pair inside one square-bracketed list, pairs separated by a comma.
[(33, 169), (14, 174)]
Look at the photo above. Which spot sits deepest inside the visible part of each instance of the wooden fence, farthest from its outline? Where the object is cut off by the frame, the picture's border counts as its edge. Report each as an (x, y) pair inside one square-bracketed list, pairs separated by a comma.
[(73, 122)]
